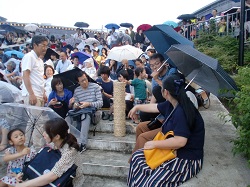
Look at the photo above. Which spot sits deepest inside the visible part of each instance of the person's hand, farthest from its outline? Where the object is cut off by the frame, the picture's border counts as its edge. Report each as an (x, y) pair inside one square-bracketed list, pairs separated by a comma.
[(32, 99), (155, 74), (25, 151), (84, 104), (19, 177), (149, 145), (45, 98), (53, 101), (72, 100), (132, 113)]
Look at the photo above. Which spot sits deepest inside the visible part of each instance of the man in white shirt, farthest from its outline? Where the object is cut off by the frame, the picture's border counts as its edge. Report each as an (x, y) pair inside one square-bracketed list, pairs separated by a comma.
[(215, 17), (33, 71), (63, 63), (33, 90)]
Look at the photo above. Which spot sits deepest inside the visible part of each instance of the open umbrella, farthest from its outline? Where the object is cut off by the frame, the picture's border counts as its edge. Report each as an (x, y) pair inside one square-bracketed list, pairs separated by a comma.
[(171, 24), (49, 52), (84, 56), (72, 41), (143, 27), (28, 118), (125, 38), (127, 25), (31, 27), (90, 41), (202, 69), (81, 24), (124, 52), (111, 25), (68, 79), (18, 53), (230, 11), (9, 93), (163, 36), (187, 16)]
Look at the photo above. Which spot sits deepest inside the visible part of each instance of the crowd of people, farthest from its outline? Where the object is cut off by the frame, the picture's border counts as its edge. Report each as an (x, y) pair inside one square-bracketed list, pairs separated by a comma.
[(153, 89), (225, 24)]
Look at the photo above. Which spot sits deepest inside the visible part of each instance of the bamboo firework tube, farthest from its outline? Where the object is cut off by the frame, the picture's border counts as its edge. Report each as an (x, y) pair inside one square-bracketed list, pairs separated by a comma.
[(119, 109)]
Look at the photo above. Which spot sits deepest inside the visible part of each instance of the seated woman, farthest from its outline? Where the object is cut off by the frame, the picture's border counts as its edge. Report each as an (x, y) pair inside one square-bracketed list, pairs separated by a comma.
[(48, 76), (113, 66), (12, 74), (56, 131), (185, 121), (60, 99)]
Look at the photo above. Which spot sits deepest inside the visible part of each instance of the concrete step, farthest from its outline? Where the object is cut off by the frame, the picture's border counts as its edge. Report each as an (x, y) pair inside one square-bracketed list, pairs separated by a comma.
[(92, 181), (108, 126), (109, 142), (108, 164)]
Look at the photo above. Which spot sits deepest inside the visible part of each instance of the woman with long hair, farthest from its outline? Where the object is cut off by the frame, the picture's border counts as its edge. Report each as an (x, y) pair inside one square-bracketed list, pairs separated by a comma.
[(185, 121)]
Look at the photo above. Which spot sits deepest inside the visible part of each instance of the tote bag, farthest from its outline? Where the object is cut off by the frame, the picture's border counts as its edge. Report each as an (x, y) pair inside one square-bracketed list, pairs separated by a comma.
[(155, 157)]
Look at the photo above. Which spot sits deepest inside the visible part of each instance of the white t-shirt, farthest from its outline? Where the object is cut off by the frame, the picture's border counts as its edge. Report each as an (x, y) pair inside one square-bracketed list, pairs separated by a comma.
[(31, 62)]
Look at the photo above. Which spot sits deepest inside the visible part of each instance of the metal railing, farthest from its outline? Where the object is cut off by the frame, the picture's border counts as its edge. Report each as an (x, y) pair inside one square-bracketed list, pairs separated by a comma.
[(228, 25)]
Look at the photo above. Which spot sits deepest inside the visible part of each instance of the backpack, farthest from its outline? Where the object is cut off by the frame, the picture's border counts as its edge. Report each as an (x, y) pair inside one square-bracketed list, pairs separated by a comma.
[(43, 162)]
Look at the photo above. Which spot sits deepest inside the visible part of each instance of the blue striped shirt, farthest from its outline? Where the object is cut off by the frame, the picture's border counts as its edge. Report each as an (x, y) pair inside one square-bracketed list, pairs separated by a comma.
[(91, 94)]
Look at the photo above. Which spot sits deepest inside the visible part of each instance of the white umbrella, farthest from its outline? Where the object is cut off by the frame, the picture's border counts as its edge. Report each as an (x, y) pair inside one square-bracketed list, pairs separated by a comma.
[(124, 52), (31, 27), (81, 46), (90, 41)]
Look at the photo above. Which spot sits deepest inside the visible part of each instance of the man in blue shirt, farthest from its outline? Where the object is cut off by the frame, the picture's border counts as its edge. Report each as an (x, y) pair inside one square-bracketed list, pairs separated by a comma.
[(159, 72)]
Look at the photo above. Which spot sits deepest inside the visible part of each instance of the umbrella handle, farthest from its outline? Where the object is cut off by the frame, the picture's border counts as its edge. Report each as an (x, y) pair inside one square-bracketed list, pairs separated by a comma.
[(192, 79), (162, 65)]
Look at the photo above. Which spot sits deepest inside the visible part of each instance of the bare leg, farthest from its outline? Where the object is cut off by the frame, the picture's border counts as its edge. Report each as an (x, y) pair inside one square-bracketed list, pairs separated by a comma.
[(4, 141)]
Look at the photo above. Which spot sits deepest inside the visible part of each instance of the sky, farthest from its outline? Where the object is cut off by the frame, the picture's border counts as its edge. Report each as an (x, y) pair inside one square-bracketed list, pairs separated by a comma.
[(97, 13)]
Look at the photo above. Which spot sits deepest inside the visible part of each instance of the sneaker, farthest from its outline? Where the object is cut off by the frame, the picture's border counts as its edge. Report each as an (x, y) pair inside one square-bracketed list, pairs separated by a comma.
[(106, 117), (83, 148), (111, 117)]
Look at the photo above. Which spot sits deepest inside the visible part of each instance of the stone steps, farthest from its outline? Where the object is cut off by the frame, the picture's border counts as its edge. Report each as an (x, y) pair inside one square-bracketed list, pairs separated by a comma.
[(105, 163), (109, 164), (108, 142)]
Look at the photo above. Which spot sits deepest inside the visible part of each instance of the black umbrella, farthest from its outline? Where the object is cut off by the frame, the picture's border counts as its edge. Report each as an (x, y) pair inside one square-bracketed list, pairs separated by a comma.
[(231, 10), (163, 36), (187, 16), (81, 24), (49, 52), (69, 80), (127, 25), (202, 69)]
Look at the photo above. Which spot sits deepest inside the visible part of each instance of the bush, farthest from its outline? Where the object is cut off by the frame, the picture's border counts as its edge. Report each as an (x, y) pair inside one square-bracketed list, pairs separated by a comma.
[(240, 113), (226, 50)]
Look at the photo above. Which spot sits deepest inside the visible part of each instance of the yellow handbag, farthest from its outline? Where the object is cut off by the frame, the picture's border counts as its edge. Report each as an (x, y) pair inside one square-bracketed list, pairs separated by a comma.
[(155, 157)]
